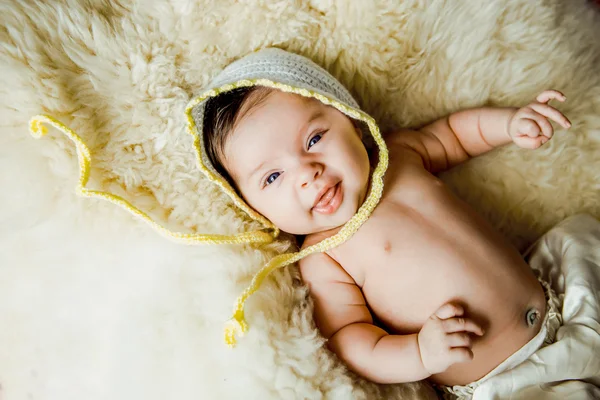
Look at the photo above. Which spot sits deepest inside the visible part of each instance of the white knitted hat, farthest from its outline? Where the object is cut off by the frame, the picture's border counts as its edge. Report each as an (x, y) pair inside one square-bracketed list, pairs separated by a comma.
[(284, 67), (276, 68)]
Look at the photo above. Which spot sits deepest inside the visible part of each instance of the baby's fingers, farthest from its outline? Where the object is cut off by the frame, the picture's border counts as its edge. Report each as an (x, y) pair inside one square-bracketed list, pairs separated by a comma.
[(541, 125), (460, 354), (552, 113), (548, 95), (449, 310), (529, 126), (458, 339), (532, 143), (461, 325)]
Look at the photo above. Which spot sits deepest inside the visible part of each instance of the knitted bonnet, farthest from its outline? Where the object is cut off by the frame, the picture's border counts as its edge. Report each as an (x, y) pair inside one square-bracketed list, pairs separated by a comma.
[(273, 68)]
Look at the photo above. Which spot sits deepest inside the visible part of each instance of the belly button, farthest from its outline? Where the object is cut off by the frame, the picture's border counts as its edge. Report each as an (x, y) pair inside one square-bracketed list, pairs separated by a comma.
[(532, 316), (387, 246)]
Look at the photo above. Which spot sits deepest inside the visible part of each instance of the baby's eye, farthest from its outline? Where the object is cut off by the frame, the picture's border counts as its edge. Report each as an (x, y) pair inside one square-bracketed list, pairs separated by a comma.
[(314, 140), (271, 178)]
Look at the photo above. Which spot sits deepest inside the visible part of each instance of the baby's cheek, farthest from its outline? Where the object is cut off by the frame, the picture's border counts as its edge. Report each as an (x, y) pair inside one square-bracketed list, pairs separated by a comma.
[(358, 153), (284, 217), (265, 208)]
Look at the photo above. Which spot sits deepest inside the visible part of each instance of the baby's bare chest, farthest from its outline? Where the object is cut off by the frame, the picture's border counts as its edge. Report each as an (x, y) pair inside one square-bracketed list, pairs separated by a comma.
[(423, 247)]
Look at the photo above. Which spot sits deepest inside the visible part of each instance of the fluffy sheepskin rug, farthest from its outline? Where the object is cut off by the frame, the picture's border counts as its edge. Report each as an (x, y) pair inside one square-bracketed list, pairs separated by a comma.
[(96, 305)]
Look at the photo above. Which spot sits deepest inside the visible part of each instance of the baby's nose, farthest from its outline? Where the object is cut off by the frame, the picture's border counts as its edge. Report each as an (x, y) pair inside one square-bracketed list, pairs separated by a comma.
[(310, 174)]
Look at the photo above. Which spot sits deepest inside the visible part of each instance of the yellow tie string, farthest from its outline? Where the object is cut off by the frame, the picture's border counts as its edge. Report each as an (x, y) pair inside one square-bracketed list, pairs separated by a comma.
[(237, 324), (38, 130)]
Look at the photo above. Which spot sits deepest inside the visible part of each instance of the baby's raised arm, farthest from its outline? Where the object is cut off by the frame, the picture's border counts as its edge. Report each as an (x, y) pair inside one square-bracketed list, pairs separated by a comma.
[(342, 316), (456, 138)]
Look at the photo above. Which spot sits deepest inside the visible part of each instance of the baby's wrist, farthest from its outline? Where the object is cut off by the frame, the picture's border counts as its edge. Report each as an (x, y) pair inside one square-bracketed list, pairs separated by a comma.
[(511, 116), (422, 363)]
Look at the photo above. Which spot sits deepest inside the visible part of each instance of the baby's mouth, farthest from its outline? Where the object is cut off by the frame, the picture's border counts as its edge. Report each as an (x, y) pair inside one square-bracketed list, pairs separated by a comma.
[(329, 201)]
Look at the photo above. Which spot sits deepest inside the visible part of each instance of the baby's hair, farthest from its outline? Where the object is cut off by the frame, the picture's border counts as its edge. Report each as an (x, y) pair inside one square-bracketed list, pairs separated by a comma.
[(220, 117)]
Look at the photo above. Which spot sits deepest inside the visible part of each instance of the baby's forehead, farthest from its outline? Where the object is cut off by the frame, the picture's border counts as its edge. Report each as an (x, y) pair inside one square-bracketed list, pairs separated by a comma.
[(298, 99), (279, 120), (281, 109)]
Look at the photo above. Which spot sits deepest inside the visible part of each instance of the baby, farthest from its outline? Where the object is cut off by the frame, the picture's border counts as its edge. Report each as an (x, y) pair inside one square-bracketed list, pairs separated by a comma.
[(408, 282), (426, 288)]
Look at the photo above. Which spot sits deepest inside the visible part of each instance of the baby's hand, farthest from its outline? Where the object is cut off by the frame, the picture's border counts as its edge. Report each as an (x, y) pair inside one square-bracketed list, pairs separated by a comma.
[(445, 340), (529, 126)]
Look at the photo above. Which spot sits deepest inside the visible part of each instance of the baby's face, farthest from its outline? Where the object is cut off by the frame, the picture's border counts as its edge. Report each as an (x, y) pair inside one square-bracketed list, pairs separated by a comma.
[(299, 163)]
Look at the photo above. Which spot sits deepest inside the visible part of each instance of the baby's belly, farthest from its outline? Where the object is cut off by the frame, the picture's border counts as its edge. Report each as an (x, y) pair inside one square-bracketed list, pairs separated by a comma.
[(507, 325), (500, 306), (419, 267)]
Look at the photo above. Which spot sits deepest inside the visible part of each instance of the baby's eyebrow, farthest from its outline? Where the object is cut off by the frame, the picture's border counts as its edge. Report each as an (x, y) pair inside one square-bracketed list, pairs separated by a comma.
[(255, 170), (318, 113)]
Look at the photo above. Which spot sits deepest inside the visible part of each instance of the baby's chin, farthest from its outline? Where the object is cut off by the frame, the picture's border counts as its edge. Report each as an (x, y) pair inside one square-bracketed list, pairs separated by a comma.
[(320, 224)]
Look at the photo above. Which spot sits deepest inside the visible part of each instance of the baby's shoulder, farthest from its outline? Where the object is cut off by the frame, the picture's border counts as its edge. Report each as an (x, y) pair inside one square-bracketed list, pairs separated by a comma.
[(404, 147), (321, 266), (406, 165)]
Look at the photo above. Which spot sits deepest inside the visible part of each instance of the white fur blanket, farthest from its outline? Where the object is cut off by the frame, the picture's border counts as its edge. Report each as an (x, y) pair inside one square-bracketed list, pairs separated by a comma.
[(95, 305)]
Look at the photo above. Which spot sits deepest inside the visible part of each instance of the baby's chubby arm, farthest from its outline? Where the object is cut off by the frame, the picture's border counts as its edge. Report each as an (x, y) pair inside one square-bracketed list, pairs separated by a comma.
[(342, 316), (456, 138)]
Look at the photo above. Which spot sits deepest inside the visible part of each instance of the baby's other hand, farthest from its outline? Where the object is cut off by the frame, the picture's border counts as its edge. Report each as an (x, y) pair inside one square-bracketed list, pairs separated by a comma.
[(445, 338), (529, 127)]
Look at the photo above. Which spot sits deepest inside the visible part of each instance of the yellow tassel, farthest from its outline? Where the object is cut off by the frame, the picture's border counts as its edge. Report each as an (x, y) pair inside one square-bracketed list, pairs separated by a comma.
[(235, 326), (36, 128)]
